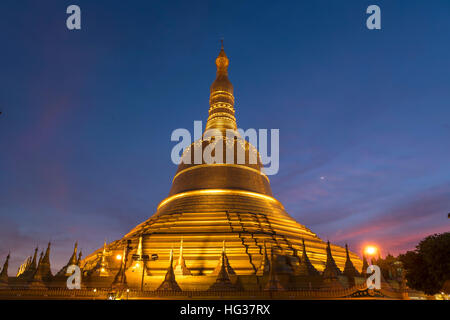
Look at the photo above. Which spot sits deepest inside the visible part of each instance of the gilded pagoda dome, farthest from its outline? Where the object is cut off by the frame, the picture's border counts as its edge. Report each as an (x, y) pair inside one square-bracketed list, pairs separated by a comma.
[(246, 175), (215, 201), (243, 170)]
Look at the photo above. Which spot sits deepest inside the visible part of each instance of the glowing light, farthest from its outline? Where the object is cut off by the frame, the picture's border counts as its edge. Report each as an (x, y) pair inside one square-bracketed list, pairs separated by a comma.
[(103, 269), (119, 257), (219, 191), (370, 250)]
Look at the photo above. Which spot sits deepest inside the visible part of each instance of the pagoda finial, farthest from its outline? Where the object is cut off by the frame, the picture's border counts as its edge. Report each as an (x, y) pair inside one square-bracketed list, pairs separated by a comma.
[(169, 283), (101, 267), (349, 269), (43, 273), (223, 261), (306, 267), (139, 248), (331, 271), (221, 99), (72, 261), (4, 273), (25, 266), (120, 280), (223, 281), (222, 61), (45, 263), (180, 267)]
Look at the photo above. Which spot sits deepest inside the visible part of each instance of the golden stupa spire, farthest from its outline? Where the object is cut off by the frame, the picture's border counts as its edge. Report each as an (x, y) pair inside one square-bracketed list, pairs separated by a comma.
[(139, 248), (73, 257), (169, 283), (221, 99), (104, 252), (180, 267)]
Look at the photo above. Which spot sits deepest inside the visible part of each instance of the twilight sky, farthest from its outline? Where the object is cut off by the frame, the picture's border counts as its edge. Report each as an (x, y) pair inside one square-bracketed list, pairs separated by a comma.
[(87, 115)]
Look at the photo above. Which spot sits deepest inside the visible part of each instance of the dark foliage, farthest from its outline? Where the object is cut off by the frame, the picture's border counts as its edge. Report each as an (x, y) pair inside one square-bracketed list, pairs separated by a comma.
[(428, 266)]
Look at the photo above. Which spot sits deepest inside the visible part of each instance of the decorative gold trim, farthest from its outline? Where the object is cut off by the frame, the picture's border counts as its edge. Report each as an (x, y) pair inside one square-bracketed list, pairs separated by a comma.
[(221, 105), (221, 115), (219, 191), (222, 92), (220, 164)]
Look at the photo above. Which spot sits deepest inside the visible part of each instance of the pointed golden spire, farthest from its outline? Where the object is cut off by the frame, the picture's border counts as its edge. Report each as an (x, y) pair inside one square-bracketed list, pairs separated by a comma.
[(73, 258), (45, 269), (331, 271), (223, 261), (138, 263), (139, 247), (72, 261), (169, 283), (24, 267), (180, 267), (104, 252), (4, 274), (43, 273), (223, 281), (222, 61), (102, 266), (349, 269), (306, 267), (29, 266), (120, 280), (221, 100), (46, 258)]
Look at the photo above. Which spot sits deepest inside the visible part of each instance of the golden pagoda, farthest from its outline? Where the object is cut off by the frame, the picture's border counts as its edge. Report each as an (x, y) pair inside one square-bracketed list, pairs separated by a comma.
[(210, 204)]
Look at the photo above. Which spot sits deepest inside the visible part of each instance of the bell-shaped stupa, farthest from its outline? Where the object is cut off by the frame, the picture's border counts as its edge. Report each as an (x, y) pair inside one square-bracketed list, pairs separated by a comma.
[(210, 203)]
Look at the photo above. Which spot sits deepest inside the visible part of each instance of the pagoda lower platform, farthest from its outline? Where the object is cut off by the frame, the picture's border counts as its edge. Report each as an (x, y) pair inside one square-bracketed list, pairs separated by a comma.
[(247, 223)]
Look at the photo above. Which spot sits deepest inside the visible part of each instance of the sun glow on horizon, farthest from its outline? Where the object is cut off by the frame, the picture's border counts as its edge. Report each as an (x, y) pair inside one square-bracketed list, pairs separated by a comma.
[(370, 250)]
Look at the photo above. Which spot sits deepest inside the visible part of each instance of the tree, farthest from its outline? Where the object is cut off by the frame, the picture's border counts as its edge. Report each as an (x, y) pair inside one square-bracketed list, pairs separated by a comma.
[(389, 267), (428, 266)]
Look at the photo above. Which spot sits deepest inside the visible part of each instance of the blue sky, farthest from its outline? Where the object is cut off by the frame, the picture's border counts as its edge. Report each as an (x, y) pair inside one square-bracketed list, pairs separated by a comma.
[(87, 115)]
